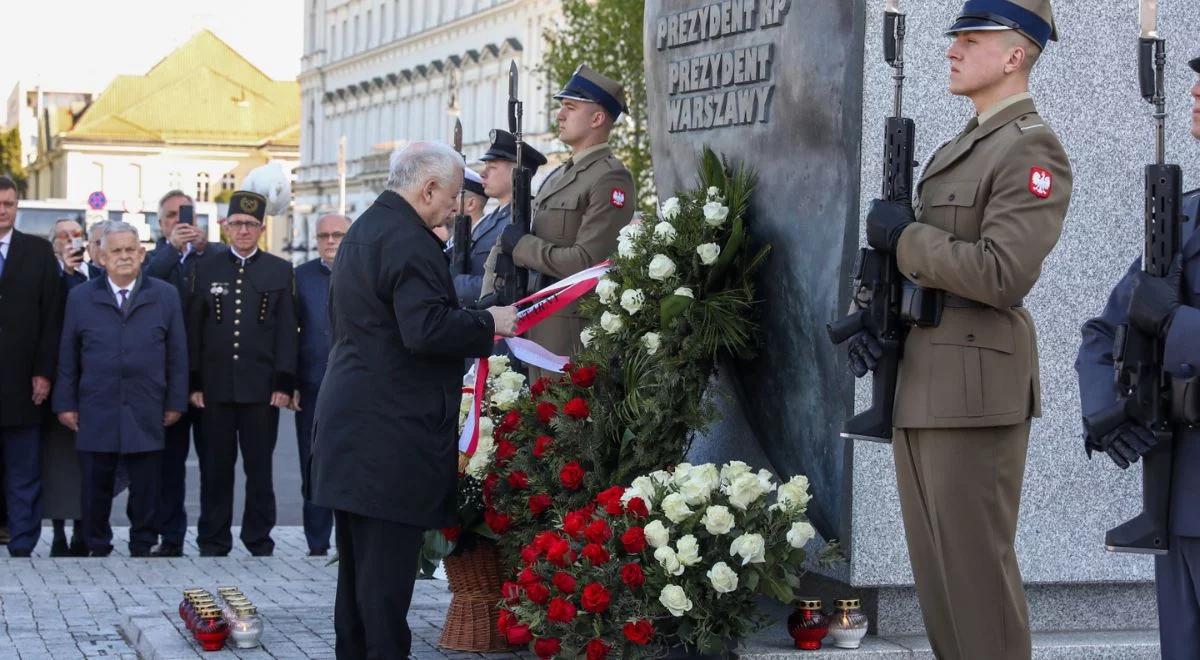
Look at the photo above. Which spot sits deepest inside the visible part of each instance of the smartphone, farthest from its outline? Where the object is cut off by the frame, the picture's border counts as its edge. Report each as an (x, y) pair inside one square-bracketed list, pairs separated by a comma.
[(77, 245), (187, 214)]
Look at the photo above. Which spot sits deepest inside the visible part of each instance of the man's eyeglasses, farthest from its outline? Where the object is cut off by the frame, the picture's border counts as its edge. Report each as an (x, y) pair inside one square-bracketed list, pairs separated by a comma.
[(238, 225), (325, 236)]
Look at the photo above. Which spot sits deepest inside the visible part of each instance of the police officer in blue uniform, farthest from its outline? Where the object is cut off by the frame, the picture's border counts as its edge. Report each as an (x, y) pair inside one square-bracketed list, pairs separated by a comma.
[(1170, 306)]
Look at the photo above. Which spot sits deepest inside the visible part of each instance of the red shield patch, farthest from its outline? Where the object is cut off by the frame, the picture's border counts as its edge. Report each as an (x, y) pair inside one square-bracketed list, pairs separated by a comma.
[(1041, 182), (618, 198)]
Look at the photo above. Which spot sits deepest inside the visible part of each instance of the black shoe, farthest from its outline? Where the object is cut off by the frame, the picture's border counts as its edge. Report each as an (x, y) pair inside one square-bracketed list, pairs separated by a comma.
[(19, 553), (141, 552), (318, 552), (262, 553), (206, 553), (59, 547), (167, 550), (77, 548), (101, 553)]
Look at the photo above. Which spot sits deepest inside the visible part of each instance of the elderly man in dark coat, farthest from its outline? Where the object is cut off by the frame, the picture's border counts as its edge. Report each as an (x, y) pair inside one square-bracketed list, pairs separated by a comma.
[(122, 379), (383, 454)]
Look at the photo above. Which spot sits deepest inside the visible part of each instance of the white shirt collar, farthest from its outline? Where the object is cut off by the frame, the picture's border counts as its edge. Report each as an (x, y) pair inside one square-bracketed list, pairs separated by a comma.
[(116, 290), (246, 258), (6, 241)]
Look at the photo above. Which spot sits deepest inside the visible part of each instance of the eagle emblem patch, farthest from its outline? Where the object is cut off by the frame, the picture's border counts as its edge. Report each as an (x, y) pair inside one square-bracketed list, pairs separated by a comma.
[(1041, 182), (618, 198)]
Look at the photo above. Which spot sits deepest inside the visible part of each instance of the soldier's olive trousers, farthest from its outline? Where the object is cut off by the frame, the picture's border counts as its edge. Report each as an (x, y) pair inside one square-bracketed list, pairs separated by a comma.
[(960, 490)]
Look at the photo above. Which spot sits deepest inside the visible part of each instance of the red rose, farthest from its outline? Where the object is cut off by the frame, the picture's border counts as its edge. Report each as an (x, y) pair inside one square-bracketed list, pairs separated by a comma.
[(632, 576), (518, 635), (639, 632), (510, 423), (518, 480), (547, 647), (584, 376), (505, 450), (497, 522), (545, 411), (538, 592), (511, 592), (596, 554), (560, 611), (540, 445), (544, 540), (571, 475), (634, 540), (637, 508), (595, 598), (568, 367), (577, 408), (598, 532), (539, 503), (596, 650), (527, 577), (564, 582), (452, 533), (529, 555), (505, 620), (604, 497), (539, 386), (559, 553), (574, 523)]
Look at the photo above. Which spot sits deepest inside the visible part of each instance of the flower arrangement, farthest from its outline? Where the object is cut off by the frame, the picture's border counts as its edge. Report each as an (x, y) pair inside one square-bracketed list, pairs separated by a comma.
[(675, 558)]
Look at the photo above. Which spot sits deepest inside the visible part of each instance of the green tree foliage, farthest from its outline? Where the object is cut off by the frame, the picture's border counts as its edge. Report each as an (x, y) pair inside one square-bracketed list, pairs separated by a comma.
[(607, 36), (10, 157)]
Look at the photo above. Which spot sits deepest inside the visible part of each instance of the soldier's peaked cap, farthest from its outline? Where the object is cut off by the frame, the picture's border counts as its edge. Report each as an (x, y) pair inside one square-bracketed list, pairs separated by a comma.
[(1032, 18), (1195, 64), (589, 85), (504, 147), (473, 183)]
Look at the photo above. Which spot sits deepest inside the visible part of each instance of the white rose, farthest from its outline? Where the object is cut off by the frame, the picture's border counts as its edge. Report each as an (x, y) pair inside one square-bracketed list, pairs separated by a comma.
[(651, 342), (714, 192), (723, 579), (586, 336), (766, 481), (744, 490), (661, 477), (497, 364), (611, 323), (630, 231), (675, 508), (708, 253), (479, 463), (733, 469), (669, 561), (800, 534), (685, 292), (680, 473), (625, 248), (642, 487), (701, 481), (664, 232), (661, 267), (718, 520), (675, 600), (715, 214), (485, 428), (632, 300), (750, 548), (794, 494), (607, 290), (687, 551), (670, 208), (656, 534), (708, 474), (464, 407), (510, 380), (505, 399)]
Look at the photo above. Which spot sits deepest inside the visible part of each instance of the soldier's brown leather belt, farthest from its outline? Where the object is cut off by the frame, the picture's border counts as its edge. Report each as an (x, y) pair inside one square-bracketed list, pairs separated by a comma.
[(958, 302)]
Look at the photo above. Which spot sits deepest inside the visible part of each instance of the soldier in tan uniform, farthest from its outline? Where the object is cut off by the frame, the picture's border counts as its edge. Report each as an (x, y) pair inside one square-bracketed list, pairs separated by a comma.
[(580, 208), (989, 209)]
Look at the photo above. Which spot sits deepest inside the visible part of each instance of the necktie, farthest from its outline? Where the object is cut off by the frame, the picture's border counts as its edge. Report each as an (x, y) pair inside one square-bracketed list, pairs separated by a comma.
[(2, 257), (124, 306)]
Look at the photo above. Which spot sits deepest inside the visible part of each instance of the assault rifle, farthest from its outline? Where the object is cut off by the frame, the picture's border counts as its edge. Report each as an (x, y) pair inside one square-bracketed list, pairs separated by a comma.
[(512, 280), (460, 259), (1145, 387), (875, 273)]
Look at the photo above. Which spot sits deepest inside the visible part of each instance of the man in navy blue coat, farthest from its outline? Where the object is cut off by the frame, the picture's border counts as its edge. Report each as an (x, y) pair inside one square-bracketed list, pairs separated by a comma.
[(1170, 306), (122, 379), (312, 310), (384, 455)]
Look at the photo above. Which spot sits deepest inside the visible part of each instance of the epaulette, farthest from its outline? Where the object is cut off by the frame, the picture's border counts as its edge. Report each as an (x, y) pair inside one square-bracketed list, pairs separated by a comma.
[(1030, 122)]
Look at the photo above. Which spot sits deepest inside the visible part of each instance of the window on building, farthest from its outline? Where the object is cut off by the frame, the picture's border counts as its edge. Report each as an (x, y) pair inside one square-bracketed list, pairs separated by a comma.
[(367, 31), (331, 47), (383, 20), (357, 46), (202, 181), (228, 182), (398, 31), (345, 38)]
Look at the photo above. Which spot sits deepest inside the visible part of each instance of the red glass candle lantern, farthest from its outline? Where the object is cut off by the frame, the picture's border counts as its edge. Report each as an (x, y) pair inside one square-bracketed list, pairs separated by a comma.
[(808, 625), (211, 629)]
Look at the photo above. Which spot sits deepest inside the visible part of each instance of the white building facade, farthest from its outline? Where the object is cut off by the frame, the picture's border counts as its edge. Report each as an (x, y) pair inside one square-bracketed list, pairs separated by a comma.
[(382, 73)]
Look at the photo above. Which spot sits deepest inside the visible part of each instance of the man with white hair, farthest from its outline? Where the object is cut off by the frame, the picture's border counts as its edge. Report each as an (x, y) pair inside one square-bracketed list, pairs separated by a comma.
[(383, 454)]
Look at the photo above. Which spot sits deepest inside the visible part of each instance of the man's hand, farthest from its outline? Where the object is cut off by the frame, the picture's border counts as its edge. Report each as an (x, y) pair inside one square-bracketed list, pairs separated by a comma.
[(171, 416), (294, 406), (509, 238), (1124, 444), (280, 399), (183, 234), (197, 399), (1153, 301), (886, 221), (41, 389), (505, 320), (865, 351), (72, 260), (69, 419)]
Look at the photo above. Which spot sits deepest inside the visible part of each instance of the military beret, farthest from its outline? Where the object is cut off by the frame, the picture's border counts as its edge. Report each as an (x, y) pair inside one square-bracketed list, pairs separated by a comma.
[(473, 183), (593, 87), (504, 147), (1032, 18), (248, 203)]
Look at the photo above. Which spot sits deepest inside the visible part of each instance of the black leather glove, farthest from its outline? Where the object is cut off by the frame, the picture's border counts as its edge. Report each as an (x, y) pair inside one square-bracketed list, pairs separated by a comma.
[(509, 238), (865, 351), (1154, 300), (886, 221), (1124, 444)]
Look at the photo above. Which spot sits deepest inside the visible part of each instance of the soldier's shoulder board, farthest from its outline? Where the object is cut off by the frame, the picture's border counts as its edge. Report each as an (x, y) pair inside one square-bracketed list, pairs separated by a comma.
[(1031, 122)]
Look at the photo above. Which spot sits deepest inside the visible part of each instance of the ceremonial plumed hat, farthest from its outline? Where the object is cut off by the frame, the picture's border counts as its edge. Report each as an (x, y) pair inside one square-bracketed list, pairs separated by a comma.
[(589, 85), (504, 147), (1032, 18), (472, 182), (248, 203), (1195, 64)]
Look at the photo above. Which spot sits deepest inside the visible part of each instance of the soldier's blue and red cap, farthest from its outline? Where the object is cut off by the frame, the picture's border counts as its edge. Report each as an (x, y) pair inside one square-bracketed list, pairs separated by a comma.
[(593, 87), (1032, 18)]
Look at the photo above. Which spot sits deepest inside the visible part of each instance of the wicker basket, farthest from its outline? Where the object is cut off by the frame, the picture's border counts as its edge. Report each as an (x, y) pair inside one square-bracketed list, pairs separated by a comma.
[(474, 577)]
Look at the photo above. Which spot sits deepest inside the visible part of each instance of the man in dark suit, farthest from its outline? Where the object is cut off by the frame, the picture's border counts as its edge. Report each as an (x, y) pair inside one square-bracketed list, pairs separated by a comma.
[(173, 259), (67, 237), (384, 456), (30, 323), (242, 343), (312, 309), (122, 378)]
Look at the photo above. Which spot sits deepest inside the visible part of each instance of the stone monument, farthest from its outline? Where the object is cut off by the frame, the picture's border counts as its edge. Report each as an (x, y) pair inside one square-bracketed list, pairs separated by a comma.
[(799, 89)]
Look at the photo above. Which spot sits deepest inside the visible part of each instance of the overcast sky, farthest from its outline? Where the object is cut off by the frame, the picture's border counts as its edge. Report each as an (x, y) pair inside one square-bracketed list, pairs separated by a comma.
[(84, 44)]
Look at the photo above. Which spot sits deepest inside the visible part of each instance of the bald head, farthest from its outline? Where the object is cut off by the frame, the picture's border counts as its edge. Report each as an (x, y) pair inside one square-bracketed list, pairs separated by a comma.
[(330, 231)]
